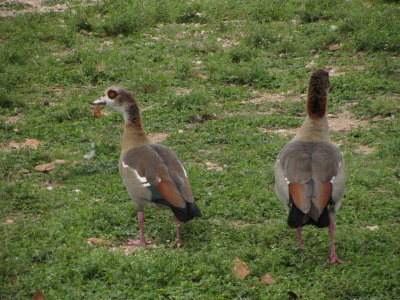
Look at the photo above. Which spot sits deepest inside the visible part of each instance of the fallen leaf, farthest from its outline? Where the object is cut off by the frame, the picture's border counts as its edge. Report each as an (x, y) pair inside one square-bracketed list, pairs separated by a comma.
[(240, 269), (39, 296), (310, 65), (267, 279), (334, 47), (97, 112), (372, 227), (8, 221), (45, 167), (92, 241), (25, 171), (199, 75)]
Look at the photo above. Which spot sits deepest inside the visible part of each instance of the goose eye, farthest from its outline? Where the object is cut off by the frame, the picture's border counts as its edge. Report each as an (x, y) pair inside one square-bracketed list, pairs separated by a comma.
[(112, 94)]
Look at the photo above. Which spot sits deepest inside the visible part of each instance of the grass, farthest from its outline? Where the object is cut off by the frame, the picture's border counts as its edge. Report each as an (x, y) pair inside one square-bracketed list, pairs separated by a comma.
[(182, 59)]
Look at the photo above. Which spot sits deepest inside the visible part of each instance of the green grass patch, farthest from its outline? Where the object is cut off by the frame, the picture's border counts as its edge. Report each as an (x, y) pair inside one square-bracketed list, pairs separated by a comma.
[(183, 59)]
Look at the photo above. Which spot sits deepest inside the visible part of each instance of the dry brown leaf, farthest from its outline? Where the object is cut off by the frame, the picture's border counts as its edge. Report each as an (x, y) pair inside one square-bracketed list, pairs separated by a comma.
[(97, 112), (267, 279), (98, 241), (199, 75), (45, 167), (8, 221), (310, 65), (372, 227), (334, 47), (241, 270), (39, 296), (25, 171)]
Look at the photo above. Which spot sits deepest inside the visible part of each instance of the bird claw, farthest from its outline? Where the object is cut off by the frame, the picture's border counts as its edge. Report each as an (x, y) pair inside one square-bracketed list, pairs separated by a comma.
[(334, 260)]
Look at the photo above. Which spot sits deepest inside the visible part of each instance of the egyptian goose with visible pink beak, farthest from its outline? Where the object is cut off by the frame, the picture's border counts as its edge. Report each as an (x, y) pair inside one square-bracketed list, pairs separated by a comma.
[(152, 173), (309, 171)]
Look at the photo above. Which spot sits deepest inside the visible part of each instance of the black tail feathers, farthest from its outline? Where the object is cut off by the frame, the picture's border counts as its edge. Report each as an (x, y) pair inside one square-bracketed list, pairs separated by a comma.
[(298, 219), (183, 214)]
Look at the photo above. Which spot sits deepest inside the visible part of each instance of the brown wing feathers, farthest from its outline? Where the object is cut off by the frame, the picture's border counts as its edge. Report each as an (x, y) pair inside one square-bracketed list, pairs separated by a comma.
[(163, 170)]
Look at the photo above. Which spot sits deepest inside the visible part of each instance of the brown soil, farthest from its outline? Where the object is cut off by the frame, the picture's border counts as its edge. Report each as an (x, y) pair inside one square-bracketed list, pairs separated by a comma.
[(158, 137), (28, 6)]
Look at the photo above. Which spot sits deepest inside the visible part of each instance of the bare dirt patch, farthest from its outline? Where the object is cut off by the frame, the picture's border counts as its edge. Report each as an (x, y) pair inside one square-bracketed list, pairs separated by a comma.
[(28, 6), (261, 97), (344, 121), (158, 137), (182, 91), (284, 132), (29, 143), (339, 71), (364, 150), (269, 111), (226, 43), (213, 166), (334, 71), (12, 119)]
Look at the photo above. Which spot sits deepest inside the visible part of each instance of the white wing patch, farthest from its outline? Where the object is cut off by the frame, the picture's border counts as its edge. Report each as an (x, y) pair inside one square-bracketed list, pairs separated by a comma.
[(184, 171), (334, 177), (143, 180)]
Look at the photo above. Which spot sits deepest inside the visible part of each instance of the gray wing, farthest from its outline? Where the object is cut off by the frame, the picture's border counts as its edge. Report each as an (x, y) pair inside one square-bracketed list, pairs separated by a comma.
[(309, 174), (160, 167)]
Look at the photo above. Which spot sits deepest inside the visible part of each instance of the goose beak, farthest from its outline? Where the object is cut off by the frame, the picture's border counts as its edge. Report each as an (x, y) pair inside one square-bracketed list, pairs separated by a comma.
[(99, 101)]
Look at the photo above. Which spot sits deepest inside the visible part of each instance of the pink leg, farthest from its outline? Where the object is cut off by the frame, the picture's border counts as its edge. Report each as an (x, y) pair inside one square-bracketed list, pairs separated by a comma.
[(333, 259), (299, 237), (178, 240), (142, 240)]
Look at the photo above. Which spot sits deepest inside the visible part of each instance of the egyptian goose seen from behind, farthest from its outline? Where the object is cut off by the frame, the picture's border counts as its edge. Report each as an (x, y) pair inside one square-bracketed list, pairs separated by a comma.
[(152, 173), (309, 171)]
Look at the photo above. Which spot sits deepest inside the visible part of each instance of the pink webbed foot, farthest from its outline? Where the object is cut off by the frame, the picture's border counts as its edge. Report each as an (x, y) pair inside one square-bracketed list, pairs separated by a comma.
[(333, 259)]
